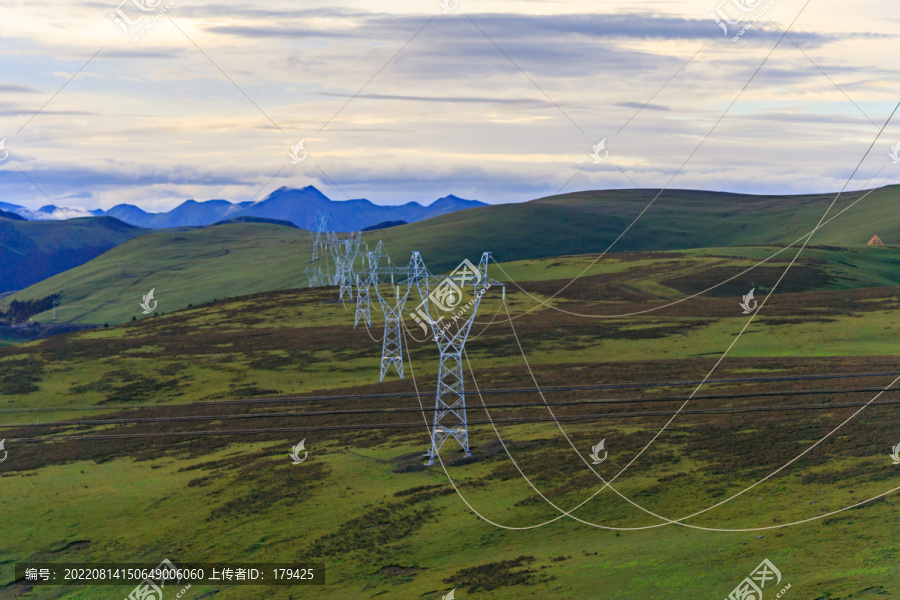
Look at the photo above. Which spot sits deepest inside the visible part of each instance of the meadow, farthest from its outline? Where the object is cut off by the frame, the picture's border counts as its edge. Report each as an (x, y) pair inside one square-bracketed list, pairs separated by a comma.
[(385, 524)]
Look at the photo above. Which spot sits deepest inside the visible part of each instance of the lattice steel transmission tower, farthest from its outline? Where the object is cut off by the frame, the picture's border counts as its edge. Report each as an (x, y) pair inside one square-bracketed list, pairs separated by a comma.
[(392, 307), (365, 283), (363, 310), (321, 235), (392, 343), (316, 278), (344, 253), (443, 307)]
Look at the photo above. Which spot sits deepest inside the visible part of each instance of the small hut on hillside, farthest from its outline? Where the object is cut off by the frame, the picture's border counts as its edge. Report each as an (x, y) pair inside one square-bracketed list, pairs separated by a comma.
[(875, 241)]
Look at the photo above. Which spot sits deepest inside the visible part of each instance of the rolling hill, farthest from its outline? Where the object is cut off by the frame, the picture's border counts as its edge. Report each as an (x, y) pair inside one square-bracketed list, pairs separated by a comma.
[(10, 216), (581, 222), (31, 251), (243, 258), (194, 266), (588, 222)]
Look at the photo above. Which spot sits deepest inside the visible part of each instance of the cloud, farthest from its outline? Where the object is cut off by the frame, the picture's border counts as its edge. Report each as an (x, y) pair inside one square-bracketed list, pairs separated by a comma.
[(540, 30), (451, 99), (640, 106), (474, 103), (18, 88), (14, 112)]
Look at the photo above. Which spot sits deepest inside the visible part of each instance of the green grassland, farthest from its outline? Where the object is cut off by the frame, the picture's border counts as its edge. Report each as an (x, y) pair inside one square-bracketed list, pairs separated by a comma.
[(228, 261), (385, 525), (197, 266)]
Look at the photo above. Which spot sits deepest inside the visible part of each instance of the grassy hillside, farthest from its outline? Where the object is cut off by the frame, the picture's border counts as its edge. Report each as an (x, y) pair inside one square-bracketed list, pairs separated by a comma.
[(188, 267), (243, 258), (588, 222), (385, 525), (31, 251)]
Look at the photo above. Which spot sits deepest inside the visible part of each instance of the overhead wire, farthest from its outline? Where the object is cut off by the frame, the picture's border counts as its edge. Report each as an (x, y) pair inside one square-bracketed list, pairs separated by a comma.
[(540, 302), (608, 484), (667, 521), (523, 390), (516, 405)]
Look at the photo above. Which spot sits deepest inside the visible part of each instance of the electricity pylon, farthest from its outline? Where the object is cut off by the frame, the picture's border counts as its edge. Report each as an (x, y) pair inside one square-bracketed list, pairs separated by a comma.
[(344, 253), (321, 234), (417, 268), (439, 296), (392, 344), (316, 278), (363, 310)]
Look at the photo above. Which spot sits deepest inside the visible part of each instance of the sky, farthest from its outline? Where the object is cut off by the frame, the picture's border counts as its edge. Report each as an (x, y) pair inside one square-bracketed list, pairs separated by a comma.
[(499, 101)]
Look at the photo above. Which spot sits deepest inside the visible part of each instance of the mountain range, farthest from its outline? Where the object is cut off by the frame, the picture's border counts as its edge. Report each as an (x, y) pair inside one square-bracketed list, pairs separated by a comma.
[(299, 207)]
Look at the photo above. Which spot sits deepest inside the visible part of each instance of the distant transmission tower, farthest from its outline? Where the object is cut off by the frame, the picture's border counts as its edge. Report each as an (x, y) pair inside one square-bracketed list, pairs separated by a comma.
[(392, 307), (450, 398), (363, 284), (392, 344), (321, 234), (418, 272), (316, 277), (344, 253)]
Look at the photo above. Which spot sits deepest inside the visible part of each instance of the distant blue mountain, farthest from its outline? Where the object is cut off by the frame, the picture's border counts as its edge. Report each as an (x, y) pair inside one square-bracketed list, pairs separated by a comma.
[(187, 214), (9, 207), (299, 207), (128, 213), (11, 216)]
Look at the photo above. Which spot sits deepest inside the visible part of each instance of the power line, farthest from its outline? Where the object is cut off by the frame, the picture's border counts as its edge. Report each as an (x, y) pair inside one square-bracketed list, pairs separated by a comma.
[(294, 399), (379, 426), (390, 410)]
